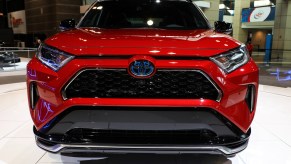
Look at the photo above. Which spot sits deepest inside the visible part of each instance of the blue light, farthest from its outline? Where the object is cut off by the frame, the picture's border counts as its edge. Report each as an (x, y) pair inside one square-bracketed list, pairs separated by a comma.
[(286, 74), (44, 111), (31, 72), (49, 123)]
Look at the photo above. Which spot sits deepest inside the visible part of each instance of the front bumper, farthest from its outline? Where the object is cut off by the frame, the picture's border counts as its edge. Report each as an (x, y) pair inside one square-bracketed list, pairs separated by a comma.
[(141, 130), (159, 149), (232, 106)]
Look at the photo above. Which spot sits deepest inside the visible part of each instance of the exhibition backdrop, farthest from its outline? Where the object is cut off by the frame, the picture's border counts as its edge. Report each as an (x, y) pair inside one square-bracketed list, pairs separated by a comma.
[(259, 14)]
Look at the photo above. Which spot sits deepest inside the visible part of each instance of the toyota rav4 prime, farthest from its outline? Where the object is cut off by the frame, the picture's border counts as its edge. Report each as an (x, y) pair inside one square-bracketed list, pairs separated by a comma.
[(142, 76)]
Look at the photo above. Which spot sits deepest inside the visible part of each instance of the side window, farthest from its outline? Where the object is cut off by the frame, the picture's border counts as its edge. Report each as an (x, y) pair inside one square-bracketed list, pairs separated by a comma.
[(92, 18)]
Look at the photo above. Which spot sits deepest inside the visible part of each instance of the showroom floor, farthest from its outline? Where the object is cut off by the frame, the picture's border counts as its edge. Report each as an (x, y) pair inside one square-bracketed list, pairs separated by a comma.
[(270, 141)]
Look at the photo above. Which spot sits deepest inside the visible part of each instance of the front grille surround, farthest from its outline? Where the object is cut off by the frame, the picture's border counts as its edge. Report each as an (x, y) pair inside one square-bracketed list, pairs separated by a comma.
[(213, 84)]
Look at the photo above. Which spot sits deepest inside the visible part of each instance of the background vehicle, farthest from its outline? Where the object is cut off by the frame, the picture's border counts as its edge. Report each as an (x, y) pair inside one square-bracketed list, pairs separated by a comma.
[(9, 57)]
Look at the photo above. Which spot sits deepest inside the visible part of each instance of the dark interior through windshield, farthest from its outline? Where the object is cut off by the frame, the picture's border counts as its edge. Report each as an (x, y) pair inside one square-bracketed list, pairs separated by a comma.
[(164, 14)]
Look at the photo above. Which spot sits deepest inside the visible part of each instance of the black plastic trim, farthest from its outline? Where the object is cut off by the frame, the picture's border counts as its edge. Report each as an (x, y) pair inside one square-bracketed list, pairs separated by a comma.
[(33, 94), (51, 132), (250, 97)]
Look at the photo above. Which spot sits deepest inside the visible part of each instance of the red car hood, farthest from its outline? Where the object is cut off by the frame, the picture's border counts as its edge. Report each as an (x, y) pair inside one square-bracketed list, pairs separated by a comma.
[(102, 42)]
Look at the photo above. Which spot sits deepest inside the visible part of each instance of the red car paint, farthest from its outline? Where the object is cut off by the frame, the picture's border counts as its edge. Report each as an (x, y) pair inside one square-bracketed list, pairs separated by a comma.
[(142, 43), (142, 77)]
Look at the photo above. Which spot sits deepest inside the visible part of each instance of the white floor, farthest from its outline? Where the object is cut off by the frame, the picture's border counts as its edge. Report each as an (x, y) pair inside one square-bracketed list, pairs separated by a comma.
[(14, 66), (270, 140)]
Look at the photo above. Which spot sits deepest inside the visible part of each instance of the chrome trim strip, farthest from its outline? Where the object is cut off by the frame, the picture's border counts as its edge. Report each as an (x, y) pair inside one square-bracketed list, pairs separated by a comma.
[(194, 70), (190, 149)]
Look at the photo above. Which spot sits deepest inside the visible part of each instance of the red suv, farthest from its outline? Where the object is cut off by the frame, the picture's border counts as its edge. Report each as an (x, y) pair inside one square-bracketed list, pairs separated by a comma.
[(142, 77)]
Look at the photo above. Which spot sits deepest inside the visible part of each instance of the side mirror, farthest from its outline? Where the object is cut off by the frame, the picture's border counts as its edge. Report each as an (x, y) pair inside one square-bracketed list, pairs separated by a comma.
[(223, 27), (67, 24)]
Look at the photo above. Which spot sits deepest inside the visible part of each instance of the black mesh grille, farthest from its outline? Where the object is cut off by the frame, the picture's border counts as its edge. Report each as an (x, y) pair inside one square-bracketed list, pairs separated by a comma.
[(119, 84)]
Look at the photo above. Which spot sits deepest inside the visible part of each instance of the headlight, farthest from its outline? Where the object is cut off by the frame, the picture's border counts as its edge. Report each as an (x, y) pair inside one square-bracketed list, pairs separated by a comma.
[(53, 58), (231, 60)]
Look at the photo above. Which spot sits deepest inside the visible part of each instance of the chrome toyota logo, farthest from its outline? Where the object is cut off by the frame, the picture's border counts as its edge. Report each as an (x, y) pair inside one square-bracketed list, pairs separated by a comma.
[(141, 68)]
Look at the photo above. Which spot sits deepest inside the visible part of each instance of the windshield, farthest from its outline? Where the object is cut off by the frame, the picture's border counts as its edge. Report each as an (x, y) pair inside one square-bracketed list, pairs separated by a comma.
[(143, 14)]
